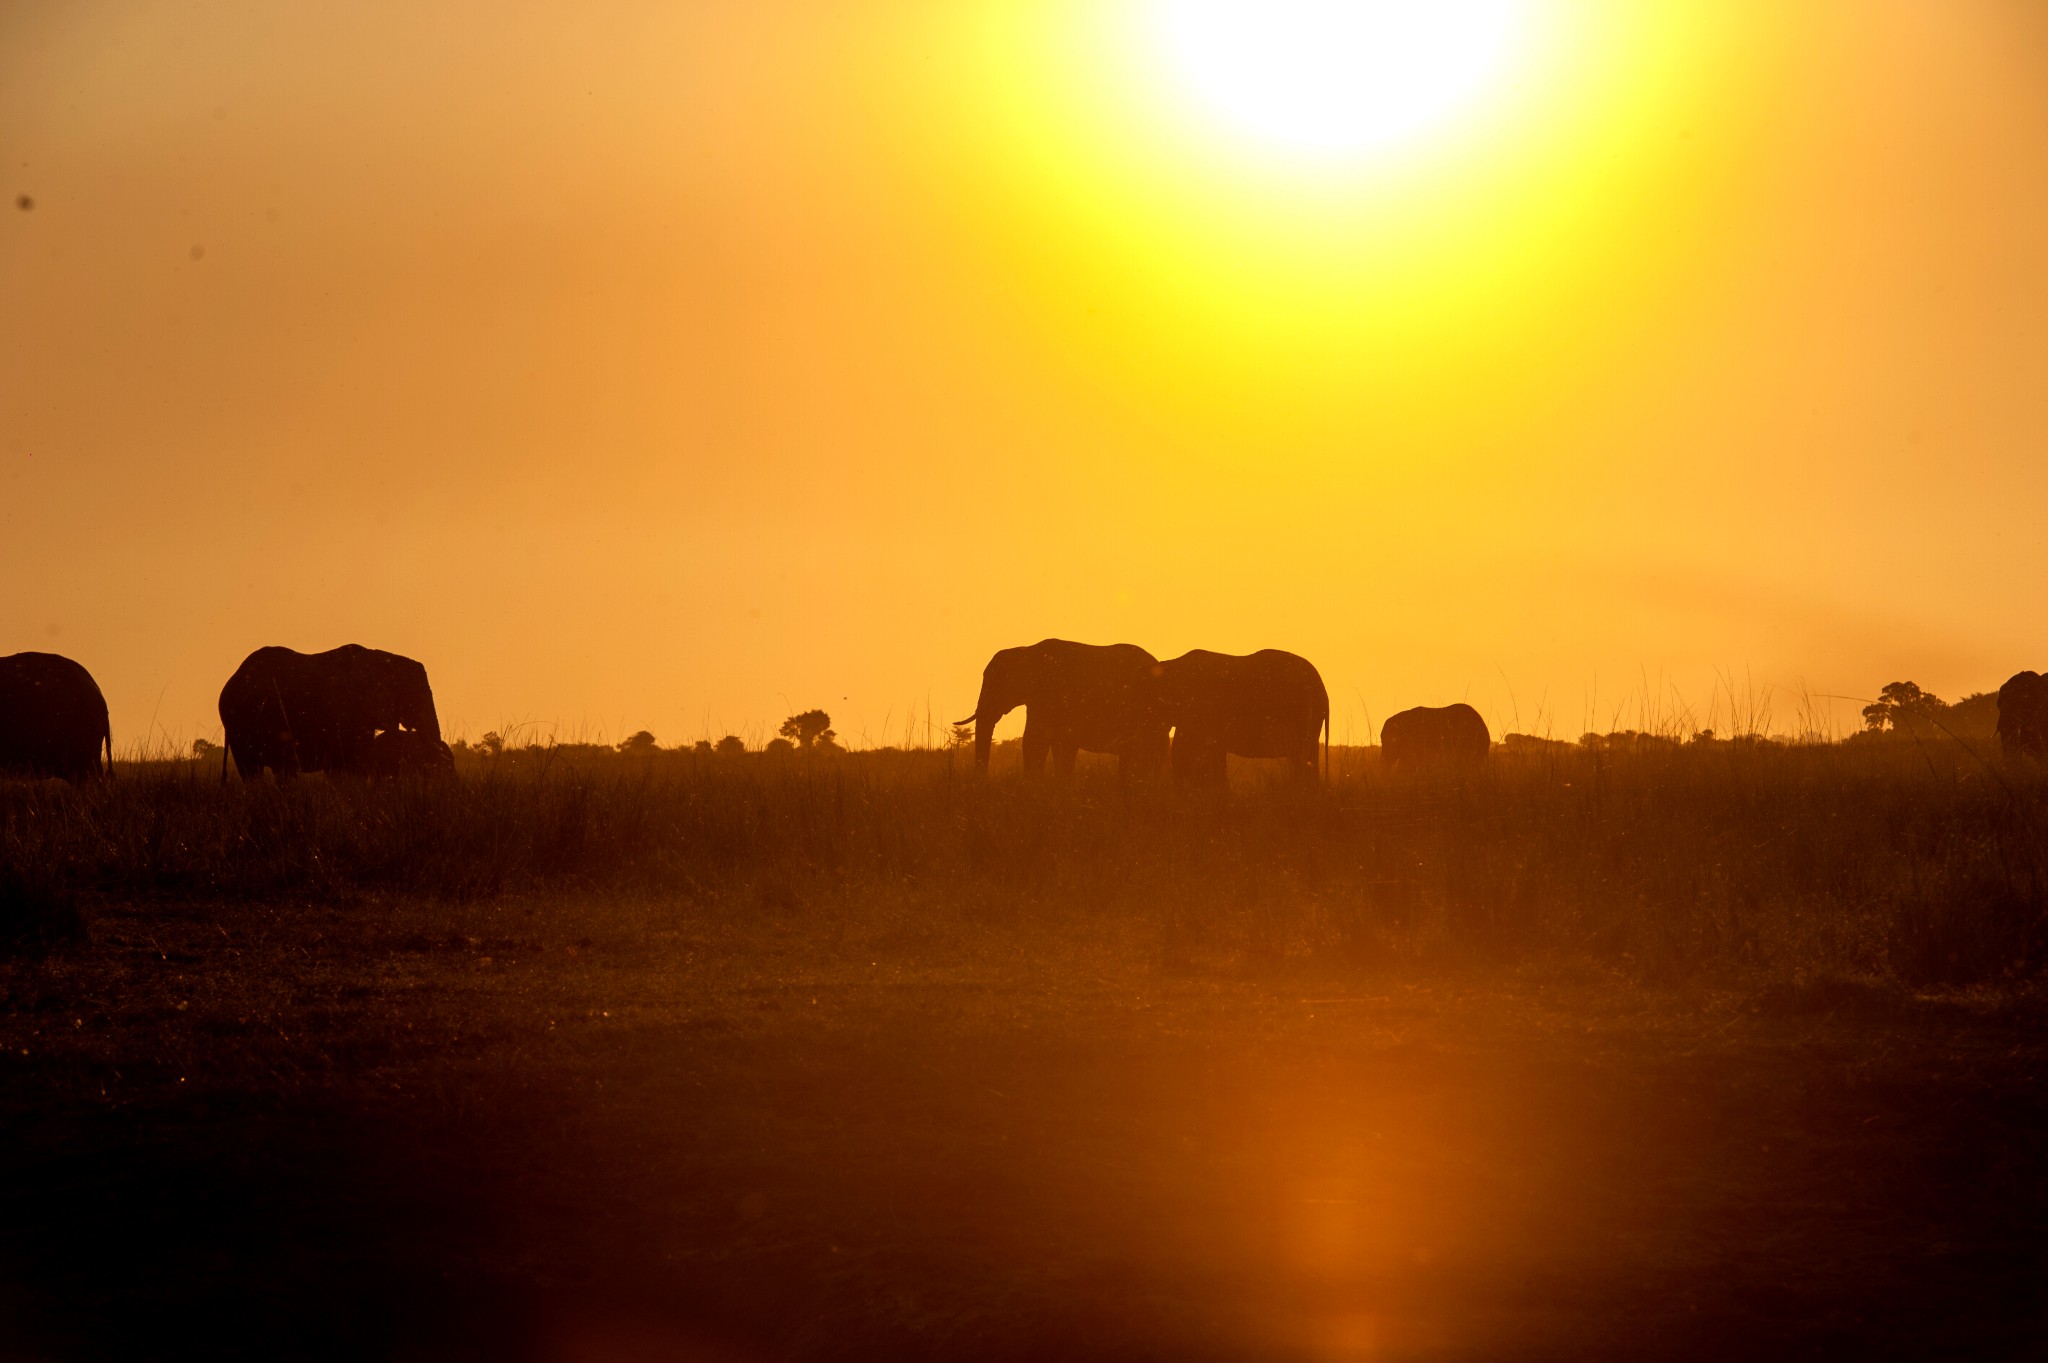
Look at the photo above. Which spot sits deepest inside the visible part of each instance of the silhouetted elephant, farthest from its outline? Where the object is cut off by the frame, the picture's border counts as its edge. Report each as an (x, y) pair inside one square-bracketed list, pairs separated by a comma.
[(1075, 696), (2023, 716), (1431, 735), (53, 719), (409, 752), (1264, 704), (294, 712)]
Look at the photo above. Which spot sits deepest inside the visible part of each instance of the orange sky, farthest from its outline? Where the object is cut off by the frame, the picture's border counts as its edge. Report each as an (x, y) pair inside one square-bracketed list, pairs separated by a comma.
[(680, 366)]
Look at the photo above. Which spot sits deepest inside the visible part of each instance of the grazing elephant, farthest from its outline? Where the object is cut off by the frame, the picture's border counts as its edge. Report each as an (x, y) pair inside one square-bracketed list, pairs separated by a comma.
[(1429, 735), (1264, 704), (53, 719), (409, 752), (2023, 716), (1075, 696), (294, 712)]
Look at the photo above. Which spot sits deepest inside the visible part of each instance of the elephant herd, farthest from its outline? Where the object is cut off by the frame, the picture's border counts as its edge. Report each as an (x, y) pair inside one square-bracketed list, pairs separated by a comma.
[(350, 709), (1189, 714), (365, 711)]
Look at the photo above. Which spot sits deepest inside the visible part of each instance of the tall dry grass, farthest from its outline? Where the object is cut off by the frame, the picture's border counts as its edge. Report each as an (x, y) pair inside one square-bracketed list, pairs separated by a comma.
[(1918, 861)]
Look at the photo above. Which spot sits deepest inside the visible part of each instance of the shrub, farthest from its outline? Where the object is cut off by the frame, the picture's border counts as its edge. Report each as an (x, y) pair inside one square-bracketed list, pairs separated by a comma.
[(812, 726)]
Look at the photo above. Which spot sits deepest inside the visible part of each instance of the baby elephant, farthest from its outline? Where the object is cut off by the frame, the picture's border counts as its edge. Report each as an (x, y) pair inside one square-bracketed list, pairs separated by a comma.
[(2023, 716), (1432, 735), (409, 752)]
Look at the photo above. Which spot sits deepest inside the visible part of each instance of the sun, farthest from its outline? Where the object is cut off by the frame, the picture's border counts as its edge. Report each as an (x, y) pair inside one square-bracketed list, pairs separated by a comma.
[(1336, 78)]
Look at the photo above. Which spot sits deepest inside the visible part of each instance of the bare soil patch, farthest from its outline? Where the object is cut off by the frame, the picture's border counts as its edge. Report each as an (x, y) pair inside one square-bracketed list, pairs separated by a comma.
[(569, 1127)]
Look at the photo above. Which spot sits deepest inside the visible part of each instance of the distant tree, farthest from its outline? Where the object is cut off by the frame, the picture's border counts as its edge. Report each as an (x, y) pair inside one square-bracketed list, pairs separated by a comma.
[(1626, 740), (778, 746), (807, 728), (638, 745), (1902, 705), (702, 747), (732, 745), (201, 747), (492, 743)]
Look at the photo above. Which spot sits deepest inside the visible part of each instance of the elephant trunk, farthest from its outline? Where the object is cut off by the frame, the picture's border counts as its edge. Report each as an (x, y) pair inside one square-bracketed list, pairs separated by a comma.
[(419, 714), (984, 732), (988, 712)]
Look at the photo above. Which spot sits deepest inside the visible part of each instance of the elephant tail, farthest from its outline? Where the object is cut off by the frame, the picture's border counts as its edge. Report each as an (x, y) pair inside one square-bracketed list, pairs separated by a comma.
[(107, 742), (1326, 739)]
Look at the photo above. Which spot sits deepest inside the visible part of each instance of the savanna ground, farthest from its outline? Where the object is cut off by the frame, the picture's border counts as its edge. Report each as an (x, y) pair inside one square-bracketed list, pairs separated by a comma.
[(1723, 1050)]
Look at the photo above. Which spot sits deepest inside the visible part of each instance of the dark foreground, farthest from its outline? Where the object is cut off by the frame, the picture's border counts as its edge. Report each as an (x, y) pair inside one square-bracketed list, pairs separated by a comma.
[(604, 1130)]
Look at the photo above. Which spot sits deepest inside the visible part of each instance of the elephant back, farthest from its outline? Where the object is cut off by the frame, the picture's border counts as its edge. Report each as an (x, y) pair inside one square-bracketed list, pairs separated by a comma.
[(1202, 683), (1432, 735), (53, 717)]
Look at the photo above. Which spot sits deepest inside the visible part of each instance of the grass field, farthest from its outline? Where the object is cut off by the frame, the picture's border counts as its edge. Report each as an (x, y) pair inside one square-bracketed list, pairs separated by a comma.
[(1629, 1050)]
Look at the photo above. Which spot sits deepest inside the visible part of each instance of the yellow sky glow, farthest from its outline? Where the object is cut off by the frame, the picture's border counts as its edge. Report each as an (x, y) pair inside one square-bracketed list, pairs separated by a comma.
[(1244, 286)]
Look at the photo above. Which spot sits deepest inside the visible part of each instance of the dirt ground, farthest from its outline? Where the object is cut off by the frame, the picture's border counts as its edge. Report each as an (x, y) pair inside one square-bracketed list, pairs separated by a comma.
[(560, 1130)]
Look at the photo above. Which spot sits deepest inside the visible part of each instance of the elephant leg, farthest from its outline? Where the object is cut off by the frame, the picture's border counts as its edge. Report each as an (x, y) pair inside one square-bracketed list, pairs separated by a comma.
[(1035, 748), (1305, 763), (360, 749), (1143, 761), (1200, 761), (1211, 770)]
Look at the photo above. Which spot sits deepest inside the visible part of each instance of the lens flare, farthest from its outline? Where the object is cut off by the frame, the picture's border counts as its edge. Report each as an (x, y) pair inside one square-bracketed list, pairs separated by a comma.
[(1327, 78)]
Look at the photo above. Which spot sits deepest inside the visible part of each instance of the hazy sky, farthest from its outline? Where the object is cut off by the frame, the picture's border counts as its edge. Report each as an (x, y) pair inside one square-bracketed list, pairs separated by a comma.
[(681, 365)]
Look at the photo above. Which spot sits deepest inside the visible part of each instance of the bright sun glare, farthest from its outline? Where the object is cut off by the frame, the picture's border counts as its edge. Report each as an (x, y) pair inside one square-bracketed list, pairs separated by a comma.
[(1335, 78)]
